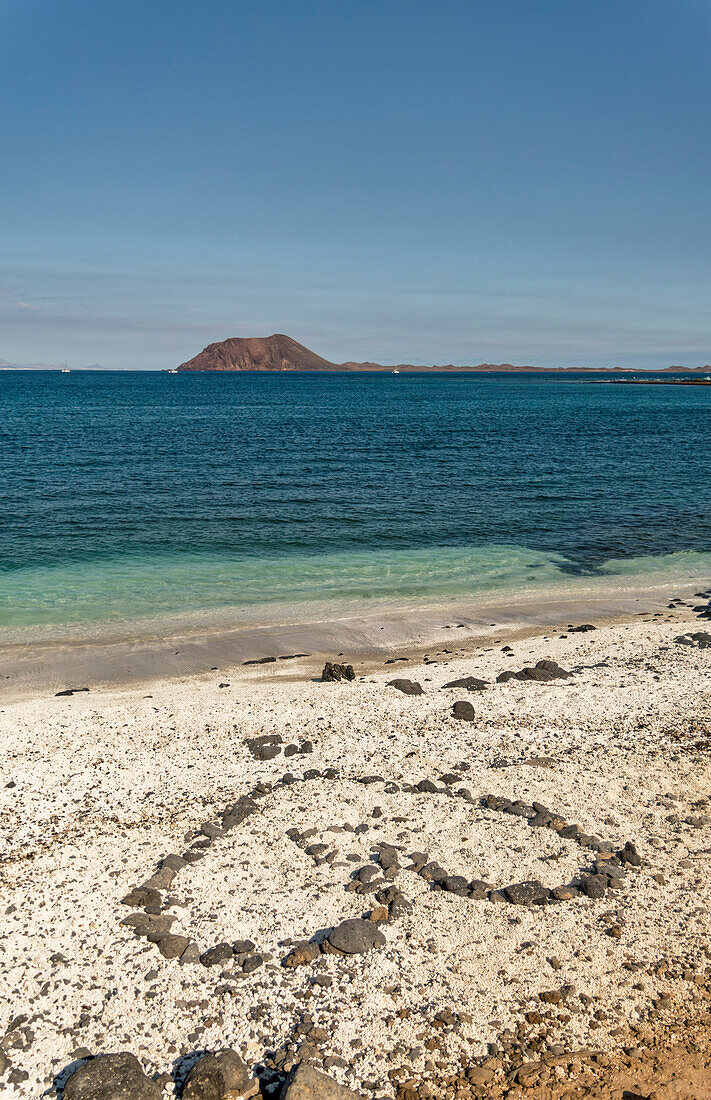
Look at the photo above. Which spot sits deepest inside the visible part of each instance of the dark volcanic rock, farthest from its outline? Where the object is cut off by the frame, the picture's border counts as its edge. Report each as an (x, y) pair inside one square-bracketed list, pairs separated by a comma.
[(455, 884), (593, 886), (699, 638), (216, 955), (151, 926), (306, 1083), (470, 683), (407, 687), (221, 1076), (355, 936), (526, 893), (111, 1077), (463, 711), (542, 671), (140, 896), (266, 747), (332, 673), (172, 947), (433, 872), (69, 691)]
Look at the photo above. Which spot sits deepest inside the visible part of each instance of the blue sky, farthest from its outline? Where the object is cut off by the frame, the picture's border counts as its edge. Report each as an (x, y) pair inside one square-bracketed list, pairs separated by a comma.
[(398, 180)]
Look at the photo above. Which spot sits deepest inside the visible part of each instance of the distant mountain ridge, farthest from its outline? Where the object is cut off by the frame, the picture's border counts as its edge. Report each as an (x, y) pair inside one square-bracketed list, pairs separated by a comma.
[(281, 353), (6, 365)]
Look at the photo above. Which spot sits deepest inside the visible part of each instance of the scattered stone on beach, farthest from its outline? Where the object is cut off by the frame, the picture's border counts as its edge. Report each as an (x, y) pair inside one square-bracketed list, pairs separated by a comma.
[(220, 1076), (463, 711), (407, 687), (265, 747), (354, 937), (69, 691), (543, 671), (582, 629), (111, 1077), (469, 683), (333, 673), (306, 1083), (699, 638), (260, 661)]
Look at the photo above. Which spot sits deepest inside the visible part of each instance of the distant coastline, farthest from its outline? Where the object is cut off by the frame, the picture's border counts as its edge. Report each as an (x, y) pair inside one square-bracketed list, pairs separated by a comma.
[(282, 353)]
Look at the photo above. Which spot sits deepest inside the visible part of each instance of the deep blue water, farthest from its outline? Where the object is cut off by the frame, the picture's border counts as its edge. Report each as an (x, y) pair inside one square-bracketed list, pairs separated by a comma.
[(132, 493)]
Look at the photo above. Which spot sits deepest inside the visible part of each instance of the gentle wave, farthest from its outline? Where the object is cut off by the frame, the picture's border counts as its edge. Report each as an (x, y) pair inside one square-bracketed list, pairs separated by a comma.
[(91, 597)]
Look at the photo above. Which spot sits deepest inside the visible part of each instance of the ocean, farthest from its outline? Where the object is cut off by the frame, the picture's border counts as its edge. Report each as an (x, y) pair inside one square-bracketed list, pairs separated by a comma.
[(134, 501)]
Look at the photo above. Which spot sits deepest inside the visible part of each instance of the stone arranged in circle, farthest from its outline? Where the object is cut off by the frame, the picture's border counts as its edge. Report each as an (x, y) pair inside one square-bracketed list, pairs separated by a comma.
[(355, 936), (526, 893), (266, 747), (217, 955)]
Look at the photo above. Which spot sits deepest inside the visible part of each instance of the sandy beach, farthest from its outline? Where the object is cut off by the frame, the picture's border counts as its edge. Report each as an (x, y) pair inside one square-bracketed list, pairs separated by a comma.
[(284, 788)]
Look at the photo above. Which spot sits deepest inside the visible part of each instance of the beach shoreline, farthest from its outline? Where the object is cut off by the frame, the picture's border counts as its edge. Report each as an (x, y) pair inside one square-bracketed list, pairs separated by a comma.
[(371, 635)]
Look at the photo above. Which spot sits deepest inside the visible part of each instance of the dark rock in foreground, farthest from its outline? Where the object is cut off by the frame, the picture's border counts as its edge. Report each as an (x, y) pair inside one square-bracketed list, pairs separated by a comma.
[(306, 1083), (463, 711), (407, 687), (221, 1076), (111, 1077)]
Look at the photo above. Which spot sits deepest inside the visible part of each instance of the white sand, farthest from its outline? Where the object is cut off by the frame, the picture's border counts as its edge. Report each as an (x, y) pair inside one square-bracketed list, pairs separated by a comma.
[(109, 782)]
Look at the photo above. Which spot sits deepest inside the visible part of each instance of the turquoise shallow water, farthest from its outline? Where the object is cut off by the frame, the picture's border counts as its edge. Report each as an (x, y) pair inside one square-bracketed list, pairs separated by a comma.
[(140, 497)]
